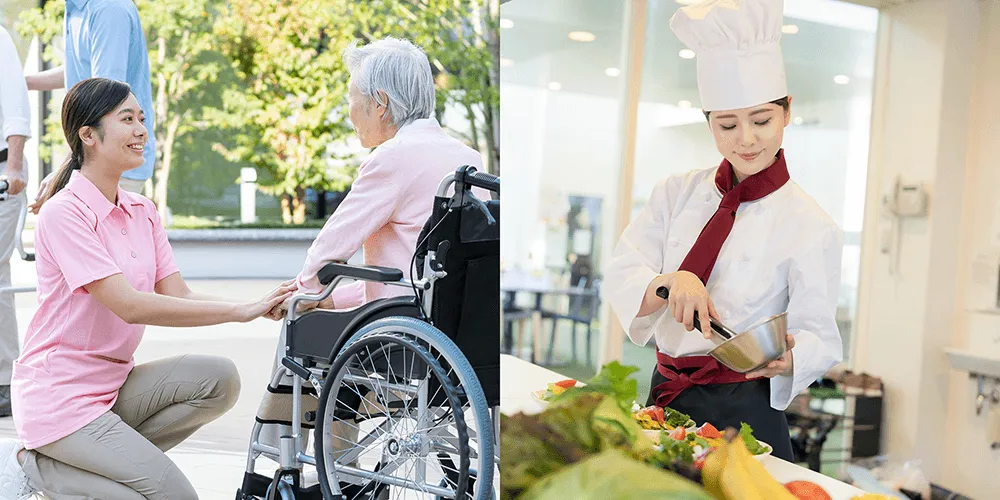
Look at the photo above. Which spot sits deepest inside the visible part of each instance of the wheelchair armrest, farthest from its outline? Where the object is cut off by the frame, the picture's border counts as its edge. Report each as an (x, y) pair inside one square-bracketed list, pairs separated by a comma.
[(331, 271)]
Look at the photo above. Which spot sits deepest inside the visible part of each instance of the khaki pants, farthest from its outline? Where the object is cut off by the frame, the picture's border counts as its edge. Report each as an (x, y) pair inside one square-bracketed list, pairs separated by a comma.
[(10, 212), (120, 455)]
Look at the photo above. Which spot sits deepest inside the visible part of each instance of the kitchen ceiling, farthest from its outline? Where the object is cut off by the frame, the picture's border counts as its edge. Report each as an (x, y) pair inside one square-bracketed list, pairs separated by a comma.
[(536, 50)]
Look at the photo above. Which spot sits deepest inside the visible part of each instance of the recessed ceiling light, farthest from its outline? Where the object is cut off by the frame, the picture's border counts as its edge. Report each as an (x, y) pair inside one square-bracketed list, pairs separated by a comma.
[(790, 29), (684, 104), (612, 72), (798, 120), (582, 36), (504, 62), (506, 23), (841, 79), (686, 54), (555, 85)]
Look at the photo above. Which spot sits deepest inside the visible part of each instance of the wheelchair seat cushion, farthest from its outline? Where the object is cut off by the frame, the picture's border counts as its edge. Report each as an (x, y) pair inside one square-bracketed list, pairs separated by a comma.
[(365, 273)]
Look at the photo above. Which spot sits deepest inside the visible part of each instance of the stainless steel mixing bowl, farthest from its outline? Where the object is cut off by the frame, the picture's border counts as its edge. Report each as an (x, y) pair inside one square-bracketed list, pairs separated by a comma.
[(756, 347)]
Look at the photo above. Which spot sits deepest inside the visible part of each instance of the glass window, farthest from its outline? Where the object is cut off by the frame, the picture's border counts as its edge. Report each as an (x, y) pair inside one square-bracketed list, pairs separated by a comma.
[(561, 97)]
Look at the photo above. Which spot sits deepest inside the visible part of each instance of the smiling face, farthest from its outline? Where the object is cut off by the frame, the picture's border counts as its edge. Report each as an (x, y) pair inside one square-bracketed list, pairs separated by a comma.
[(750, 137), (121, 138)]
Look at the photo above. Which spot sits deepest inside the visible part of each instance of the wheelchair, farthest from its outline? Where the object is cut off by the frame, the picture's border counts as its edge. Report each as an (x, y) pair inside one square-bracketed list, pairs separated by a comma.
[(402, 394)]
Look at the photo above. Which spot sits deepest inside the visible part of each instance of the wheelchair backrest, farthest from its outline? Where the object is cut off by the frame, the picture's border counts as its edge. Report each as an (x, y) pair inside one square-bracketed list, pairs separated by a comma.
[(466, 303)]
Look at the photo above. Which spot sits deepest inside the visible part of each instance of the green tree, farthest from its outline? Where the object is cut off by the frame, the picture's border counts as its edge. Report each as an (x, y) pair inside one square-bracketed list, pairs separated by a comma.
[(461, 41), (291, 108), (47, 24), (180, 42)]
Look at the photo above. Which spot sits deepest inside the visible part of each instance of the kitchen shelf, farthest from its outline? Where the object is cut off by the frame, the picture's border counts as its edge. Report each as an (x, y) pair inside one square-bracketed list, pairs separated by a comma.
[(975, 364)]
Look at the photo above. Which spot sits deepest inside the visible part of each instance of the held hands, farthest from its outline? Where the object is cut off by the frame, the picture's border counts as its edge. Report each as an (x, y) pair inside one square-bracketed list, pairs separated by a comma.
[(688, 297), (279, 311), (780, 366), (273, 299)]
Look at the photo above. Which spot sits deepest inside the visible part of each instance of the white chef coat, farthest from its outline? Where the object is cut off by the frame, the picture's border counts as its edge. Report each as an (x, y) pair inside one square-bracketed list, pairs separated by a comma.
[(783, 254)]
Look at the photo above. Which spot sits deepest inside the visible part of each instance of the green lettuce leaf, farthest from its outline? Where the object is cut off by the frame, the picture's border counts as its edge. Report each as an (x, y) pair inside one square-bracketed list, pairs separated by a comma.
[(746, 432), (613, 380), (613, 475)]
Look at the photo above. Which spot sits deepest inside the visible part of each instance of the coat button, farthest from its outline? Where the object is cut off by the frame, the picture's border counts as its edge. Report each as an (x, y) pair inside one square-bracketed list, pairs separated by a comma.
[(124, 231), (746, 257), (673, 242), (133, 255)]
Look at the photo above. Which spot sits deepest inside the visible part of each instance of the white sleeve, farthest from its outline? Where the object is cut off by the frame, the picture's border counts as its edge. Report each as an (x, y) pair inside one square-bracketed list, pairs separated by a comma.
[(636, 260), (813, 290), (14, 104)]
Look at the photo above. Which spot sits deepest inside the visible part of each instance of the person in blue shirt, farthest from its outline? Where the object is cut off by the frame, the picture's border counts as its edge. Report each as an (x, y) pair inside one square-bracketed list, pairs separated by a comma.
[(104, 39)]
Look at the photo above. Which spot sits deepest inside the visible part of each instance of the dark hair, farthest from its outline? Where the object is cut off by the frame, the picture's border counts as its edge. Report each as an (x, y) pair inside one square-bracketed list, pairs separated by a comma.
[(783, 102), (84, 106)]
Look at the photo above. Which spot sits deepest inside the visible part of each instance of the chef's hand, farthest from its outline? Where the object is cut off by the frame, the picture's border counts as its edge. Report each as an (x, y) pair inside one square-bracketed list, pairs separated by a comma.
[(780, 366), (688, 297)]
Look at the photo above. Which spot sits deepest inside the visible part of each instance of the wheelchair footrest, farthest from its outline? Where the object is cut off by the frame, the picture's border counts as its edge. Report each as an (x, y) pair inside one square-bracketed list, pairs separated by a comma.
[(256, 485)]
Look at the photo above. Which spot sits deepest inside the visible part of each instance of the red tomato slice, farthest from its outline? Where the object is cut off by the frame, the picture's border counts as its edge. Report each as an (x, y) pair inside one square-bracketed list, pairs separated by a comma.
[(709, 431), (659, 415), (566, 384), (678, 433)]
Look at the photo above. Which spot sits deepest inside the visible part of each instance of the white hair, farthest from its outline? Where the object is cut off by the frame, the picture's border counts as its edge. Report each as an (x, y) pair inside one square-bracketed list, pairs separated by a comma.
[(398, 68)]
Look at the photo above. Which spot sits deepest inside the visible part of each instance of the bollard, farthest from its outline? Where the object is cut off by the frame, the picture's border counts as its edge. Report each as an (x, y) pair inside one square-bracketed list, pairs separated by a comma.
[(248, 195)]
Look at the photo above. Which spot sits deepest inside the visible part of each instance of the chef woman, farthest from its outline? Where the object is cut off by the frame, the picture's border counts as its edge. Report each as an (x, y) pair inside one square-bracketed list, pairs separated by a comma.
[(739, 242)]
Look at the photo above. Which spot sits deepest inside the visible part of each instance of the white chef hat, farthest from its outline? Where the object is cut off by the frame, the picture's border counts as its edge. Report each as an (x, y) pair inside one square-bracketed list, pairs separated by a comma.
[(737, 45)]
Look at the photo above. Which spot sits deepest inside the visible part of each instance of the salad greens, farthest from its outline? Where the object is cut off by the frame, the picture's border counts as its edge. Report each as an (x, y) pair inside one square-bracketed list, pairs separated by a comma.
[(613, 380), (676, 418), (613, 475), (746, 432)]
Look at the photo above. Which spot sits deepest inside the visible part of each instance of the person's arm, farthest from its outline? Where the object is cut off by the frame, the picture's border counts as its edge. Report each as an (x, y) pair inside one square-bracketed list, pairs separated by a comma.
[(175, 286), (813, 290), (110, 35), (140, 308), (86, 265), (50, 79), (16, 111), (370, 205), (633, 274)]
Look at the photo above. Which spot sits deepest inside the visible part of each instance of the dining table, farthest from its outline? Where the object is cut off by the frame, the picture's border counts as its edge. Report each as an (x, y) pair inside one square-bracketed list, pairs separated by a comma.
[(519, 378)]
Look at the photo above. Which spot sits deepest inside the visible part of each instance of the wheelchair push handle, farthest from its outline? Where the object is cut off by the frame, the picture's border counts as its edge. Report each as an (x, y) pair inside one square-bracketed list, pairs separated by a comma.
[(484, 180), (468, 174)]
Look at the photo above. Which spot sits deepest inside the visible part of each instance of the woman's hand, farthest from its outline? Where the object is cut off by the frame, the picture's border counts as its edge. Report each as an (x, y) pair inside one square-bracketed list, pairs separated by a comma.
[(688, 297), (269, 302), (780, 366)]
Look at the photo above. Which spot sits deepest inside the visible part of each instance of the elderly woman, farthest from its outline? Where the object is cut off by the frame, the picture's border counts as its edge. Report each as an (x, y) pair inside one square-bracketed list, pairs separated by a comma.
[(392, 98)]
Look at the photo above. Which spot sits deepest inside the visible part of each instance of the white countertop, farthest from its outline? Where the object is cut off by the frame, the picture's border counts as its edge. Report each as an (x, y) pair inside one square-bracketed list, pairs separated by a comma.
[(518, 378)]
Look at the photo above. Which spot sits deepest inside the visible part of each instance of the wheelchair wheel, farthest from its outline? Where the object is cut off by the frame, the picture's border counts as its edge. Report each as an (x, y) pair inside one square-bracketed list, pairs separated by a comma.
[(416, 408)]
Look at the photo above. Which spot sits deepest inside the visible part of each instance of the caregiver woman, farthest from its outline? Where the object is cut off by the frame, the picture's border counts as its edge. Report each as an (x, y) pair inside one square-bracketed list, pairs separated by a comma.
[(740, 242), (96, 425)]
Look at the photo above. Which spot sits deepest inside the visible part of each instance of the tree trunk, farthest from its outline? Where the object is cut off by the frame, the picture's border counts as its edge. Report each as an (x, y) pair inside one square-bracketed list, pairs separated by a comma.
[(163, 175), (299, 206), (286, 208), (161, 115), (492, 141), (473, 129)]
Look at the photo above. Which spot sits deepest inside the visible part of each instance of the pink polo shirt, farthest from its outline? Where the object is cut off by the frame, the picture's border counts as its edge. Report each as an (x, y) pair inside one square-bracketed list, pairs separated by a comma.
[(77, 353), (387, 207)]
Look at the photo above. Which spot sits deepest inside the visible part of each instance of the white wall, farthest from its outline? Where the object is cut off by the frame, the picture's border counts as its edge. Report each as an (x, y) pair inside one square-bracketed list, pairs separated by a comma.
[(935, 108)]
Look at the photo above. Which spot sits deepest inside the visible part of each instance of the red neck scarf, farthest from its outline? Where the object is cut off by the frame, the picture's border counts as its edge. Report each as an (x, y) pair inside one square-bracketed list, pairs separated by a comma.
[(701, 258)]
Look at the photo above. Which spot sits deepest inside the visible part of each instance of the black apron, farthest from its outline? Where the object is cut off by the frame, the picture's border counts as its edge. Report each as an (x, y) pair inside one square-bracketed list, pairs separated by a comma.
[(726, 405)]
